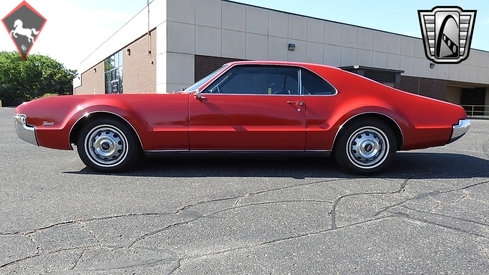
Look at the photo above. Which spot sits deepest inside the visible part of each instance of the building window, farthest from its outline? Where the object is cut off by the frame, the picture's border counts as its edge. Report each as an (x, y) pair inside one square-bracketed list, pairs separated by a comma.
[(113, 74)]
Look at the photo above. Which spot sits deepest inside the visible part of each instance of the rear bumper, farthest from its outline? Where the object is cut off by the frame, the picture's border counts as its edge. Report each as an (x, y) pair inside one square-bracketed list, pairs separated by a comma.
[(25, 132), (460, 129)]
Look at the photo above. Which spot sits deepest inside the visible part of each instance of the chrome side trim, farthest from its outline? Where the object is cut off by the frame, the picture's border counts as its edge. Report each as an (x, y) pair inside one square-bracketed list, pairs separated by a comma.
[(233, 151), (459, 129), (24, 131), (167, 151), (299, 81), (237, 152), (222, 94)]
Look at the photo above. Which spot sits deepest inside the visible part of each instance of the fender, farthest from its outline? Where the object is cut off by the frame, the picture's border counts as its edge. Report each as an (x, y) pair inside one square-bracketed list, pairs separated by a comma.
[(341, 109), (94, 110), (385, 113), (62, 122), (157, 119)]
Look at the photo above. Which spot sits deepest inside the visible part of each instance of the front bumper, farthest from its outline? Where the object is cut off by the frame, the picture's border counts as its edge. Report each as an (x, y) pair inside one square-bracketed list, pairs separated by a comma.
[(25, 132), (460, 129)]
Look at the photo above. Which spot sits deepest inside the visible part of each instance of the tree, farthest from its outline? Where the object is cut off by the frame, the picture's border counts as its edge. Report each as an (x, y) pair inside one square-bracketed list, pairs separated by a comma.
[(22, 81)]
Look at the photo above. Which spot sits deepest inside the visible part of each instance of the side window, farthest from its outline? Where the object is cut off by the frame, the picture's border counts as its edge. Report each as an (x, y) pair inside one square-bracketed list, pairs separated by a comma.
[(257, 80), (313, 84)]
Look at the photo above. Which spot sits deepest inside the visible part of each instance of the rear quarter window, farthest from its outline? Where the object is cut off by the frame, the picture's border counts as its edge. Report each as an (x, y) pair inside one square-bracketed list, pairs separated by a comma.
[(312, 84)]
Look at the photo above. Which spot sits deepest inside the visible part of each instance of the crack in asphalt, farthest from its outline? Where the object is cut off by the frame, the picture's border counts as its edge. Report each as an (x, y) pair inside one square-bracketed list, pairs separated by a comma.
[(78, 260), (401, 215), (36, 254), (91, 233), (464, 197), (129, 264), (445, 216), (332, 213), (423, 220), (217, 212), (45, 254), (71, 222), (238, 205), (307, 234), (430, 194), (179, 260), (81, 222), (283, 239), (240, 198), (33, 241)]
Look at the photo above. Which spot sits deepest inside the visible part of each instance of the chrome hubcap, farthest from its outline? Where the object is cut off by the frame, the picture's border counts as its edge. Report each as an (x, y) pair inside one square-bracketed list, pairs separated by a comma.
[(106, 145), (367, 147)]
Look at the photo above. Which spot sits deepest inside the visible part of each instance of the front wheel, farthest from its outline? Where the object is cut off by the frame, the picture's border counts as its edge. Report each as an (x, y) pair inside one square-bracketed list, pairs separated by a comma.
[(107, 145), (365, 147)]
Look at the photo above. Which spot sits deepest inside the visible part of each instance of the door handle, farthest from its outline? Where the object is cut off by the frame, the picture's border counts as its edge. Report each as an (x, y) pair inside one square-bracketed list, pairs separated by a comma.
[(299, 103)]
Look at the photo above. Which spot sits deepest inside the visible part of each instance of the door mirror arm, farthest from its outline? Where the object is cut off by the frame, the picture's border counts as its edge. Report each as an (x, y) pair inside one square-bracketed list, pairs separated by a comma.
[(198, 95)]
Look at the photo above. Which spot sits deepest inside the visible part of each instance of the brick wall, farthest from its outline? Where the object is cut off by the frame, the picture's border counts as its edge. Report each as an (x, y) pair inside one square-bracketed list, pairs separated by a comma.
[(139, 70), (433, 88), (205, 65), (92, 81), (139, 67)]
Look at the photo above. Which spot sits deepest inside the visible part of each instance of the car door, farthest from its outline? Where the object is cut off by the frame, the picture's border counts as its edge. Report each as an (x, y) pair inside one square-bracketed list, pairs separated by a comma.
[(249, 108), (322, 102)]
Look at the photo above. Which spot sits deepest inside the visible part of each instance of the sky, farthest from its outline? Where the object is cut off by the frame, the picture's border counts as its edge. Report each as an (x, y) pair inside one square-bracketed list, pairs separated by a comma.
[(75, 28)]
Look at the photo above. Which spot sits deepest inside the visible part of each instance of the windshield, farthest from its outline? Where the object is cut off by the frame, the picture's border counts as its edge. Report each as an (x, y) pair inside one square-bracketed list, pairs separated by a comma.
[(201, 82)]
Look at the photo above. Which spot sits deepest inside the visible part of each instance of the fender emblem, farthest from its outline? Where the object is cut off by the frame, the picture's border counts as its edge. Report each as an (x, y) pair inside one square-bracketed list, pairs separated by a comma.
[(47, 123)]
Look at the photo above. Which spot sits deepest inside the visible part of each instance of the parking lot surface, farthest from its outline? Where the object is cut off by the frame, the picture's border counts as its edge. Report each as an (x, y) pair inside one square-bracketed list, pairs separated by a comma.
[(427, 214)]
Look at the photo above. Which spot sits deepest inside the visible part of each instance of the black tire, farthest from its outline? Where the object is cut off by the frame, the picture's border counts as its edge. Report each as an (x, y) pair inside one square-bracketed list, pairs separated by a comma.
[(108, 145), (365, 146)]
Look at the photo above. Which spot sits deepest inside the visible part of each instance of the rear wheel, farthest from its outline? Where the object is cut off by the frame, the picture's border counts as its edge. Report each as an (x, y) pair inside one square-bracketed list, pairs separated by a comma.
[(108, 145), (365, 146)]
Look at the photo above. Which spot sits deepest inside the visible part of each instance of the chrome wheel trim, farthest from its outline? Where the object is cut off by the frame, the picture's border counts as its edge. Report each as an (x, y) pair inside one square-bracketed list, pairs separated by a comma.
[(367, 147), (106, 146)]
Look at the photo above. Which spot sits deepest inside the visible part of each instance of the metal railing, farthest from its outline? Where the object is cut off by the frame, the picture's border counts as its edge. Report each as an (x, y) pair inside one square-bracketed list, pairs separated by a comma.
[(477, 111)]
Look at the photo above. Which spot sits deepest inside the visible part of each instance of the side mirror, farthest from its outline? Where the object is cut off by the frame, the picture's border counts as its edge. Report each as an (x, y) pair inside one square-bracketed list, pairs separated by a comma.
[(198, 95)]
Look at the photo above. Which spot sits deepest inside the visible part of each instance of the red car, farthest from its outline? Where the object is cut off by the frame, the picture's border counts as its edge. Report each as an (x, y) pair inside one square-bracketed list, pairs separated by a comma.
[(250, 106)]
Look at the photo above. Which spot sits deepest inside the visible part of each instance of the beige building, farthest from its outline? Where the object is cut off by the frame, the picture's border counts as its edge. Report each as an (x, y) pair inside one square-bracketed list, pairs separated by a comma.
[(172, 43)]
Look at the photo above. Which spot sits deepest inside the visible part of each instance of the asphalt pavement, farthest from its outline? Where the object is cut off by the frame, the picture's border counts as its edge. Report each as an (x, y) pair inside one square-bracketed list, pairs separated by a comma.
[(428, 214)]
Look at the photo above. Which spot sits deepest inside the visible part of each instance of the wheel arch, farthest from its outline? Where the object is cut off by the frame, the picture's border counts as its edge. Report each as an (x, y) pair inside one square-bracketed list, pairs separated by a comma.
[(385, 118), (82, 121)]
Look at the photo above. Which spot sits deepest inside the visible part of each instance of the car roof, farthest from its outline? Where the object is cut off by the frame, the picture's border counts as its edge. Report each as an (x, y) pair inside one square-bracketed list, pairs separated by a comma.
[(280, 63)]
